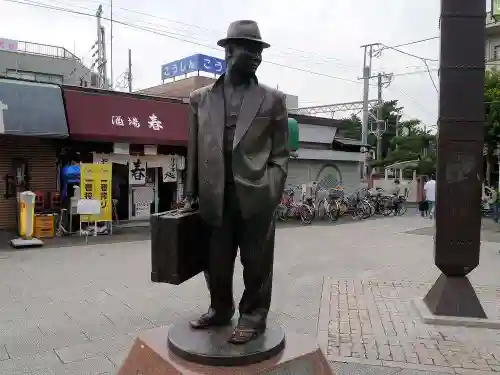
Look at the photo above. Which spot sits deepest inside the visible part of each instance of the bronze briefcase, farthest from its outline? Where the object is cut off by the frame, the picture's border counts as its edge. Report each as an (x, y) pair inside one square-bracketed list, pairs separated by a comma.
[(179, 246)]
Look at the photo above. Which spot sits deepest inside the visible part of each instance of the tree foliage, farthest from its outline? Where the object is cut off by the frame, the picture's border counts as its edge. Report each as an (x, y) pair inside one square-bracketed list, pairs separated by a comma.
[(492, 118), (412, 142), (416, 143)]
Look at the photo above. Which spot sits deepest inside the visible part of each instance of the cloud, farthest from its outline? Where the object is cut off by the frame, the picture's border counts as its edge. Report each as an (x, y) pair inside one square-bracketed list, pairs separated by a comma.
[(320, 36)]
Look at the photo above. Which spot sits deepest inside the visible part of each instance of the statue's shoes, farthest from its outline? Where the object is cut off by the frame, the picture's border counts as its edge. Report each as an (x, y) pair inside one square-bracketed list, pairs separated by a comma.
[(241, 334), (211, 319)]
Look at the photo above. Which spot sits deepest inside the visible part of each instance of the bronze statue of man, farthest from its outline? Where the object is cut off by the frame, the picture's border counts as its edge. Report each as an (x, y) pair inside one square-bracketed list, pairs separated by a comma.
[(237, 167)]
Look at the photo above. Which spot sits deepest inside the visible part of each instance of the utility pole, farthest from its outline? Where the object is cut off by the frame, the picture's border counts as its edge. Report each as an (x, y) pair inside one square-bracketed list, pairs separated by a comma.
[(129, 75), (380, 123), (397, 127), (111, 43), (104, 60), (367, 59), (99, 48), (367, 71)]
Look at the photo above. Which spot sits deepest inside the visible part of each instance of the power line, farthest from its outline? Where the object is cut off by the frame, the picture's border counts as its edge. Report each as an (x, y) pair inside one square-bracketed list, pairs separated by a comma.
[(414, 42), (175, 37), (304, 54), (423, 59), (407, 53), (431, 77), (320, 58), (169, 35), (415, 72)]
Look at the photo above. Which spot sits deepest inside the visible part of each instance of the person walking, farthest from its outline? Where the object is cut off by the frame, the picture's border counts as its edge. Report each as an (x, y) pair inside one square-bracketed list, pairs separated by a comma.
[(430, 195)]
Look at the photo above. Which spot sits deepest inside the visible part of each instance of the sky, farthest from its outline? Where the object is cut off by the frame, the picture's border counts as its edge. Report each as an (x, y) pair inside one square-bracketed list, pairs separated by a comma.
[(319, 42)]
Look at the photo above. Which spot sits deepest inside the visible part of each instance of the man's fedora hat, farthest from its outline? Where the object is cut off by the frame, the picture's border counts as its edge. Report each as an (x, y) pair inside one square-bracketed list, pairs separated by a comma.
[(243, 30)]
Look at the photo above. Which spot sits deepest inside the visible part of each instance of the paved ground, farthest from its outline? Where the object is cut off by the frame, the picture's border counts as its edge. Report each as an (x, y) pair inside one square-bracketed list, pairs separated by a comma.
[(75, 310), (490, 231)]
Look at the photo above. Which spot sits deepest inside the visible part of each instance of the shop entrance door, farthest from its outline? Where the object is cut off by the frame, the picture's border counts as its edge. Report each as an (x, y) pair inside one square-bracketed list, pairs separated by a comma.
[(143, 199)]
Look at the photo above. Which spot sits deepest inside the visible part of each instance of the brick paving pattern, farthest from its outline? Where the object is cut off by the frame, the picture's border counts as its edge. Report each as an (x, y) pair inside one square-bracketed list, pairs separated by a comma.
[(375, 322), (75, 310)]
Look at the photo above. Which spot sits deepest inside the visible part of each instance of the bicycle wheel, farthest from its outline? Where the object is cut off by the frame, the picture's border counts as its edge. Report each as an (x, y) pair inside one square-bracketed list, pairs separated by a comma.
[(386, 206), (343, 207), (282, 212), (370, 207), (306, 214), (313, 210), (333, 212), (322, 209), (401, 210), (362, 210)]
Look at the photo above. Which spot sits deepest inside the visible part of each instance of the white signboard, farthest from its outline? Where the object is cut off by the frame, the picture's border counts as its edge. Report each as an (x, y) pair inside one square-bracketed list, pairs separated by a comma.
[(3, 107), (8, 45), (143, 196), (169, 168), (137, 172)]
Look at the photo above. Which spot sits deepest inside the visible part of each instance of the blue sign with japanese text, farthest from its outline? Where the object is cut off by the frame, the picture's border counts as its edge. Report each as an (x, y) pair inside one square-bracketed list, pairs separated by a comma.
[(202, 63)]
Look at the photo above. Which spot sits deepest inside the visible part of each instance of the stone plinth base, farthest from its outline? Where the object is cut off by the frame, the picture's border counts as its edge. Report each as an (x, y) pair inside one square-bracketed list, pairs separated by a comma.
[(150, 355), (429, 318), (454, 297)]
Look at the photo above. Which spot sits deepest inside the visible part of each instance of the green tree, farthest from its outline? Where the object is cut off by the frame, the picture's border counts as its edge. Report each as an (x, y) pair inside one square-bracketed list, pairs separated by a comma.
[(390, 111), (415, 144), (492, 117)]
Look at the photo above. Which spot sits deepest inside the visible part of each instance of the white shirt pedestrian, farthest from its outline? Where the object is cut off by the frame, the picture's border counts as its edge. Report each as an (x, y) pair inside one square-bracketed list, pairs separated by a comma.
[(430, 196)]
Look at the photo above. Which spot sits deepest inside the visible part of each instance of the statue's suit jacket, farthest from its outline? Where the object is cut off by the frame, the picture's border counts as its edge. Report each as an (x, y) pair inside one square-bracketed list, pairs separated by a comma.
[(260, 150)]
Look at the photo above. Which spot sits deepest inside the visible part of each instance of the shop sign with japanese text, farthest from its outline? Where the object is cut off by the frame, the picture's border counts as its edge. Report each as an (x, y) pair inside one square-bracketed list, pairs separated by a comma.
[(125, 118), (95, 180), (195, 63), (169, 168), (137, 172)]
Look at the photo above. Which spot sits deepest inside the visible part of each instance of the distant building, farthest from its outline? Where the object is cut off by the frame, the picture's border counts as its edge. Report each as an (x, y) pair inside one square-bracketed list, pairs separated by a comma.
[(492, 43), (43, 63), (323, 156), (181, 88)]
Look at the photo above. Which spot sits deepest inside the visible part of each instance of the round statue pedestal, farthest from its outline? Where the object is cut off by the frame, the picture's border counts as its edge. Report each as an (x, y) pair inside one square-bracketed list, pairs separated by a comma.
[(210, 346)]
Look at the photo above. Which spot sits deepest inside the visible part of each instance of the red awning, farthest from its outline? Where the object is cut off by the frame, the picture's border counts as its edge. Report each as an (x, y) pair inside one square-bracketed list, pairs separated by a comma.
[(120, 117)]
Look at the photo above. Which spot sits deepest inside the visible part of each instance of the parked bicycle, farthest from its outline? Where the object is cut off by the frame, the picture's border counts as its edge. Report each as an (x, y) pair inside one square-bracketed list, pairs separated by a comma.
[(356, 205), (290, 209), (328, 203), (380, 201)]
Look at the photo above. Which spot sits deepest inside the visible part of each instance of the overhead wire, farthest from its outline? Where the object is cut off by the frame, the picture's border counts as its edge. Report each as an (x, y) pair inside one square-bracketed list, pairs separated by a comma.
[(175, 37), (423, 59), (190, 41), (182, 33)]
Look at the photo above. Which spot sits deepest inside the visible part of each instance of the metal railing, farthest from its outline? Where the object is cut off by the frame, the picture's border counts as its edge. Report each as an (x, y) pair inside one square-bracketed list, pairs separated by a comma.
[(45, 50)]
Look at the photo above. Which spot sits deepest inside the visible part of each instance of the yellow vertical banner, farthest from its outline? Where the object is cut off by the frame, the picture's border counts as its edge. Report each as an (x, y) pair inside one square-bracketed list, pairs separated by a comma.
[(95, 181)]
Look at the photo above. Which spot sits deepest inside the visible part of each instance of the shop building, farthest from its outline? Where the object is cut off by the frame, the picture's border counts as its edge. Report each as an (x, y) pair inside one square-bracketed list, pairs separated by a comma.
[(183, 87), (32, 128), (324, 155), (144, 137), (43, 63)]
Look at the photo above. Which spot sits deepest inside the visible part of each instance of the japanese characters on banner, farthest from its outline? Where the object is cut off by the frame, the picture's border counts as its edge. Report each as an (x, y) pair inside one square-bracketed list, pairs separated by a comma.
[(96, 184), (169, 168), (99, 158), (137, 171), (152, 122)]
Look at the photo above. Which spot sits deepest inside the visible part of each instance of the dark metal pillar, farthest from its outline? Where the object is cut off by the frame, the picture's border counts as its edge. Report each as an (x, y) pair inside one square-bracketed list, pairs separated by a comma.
[(460, 158)]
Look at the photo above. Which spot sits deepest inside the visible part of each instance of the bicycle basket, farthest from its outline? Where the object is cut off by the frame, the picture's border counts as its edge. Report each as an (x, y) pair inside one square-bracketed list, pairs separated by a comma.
[(336, 193)]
